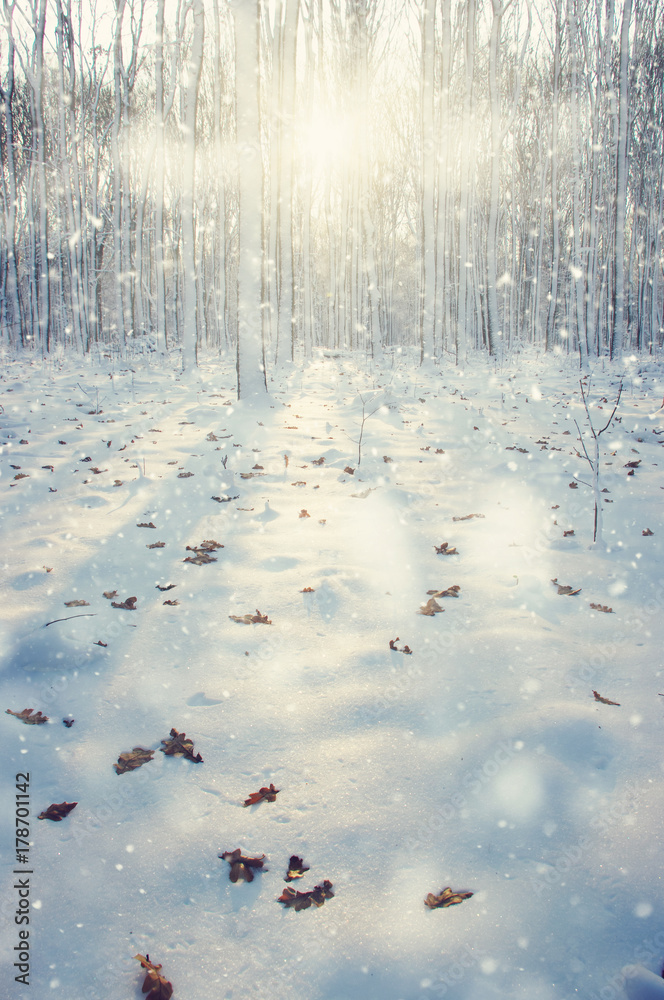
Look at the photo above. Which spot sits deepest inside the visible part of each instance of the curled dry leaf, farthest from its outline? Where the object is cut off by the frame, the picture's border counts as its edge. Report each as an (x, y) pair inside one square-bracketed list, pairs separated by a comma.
[(257, 619), (58, 811), (565, 589), (445, 550), (299, 482), (387, 459), (647, 532), (296, 869), (393, 645), (110, 594), (308, 590), (148, 524), (202, 552), (349, 471), (446, 897), (431, 608), (567, 534), (225, 499), (185, 475), (156, 545), (27, 716), (177, 745), (304, 513), (172, 604), (68, 723), (452, 591), (318, 461), (303, 900), (77, 604), (573, 486), (130, 760), (155, 985), (605, 701), (100, 643), (242, 867), (602, 607), (128, 605), (467, 517), (169, 586), (262, 795)]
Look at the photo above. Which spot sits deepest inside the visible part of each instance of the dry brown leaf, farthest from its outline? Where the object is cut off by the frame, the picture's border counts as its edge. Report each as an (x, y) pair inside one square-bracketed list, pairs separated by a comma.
[(296, 869), (565, 589), (262, 795), (248, 619), (602, 607), (605, 701), (431, 608), (57, 811), (130, 760), (128, 605), (110, 594), (406, 649), (242, 867), (148, 524), (27, 716), (156, 545), (467, 517), (452, 591), (202, 552), (318, 461), (155, 985), (77, 604), (177, 745), (303, 900), (445, 550), (646, 532), (304, 513), (445, 898), (185, 475)]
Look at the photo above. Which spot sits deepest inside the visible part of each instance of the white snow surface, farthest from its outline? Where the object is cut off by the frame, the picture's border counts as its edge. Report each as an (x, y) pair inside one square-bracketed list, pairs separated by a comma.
[(482, 761)]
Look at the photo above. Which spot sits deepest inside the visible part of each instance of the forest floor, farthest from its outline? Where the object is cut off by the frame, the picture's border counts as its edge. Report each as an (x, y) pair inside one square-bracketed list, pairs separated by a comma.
[(481, 761)]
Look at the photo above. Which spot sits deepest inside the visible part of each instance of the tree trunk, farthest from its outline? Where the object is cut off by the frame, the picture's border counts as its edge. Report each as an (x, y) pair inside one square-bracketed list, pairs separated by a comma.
[(251, 379), (190, 332)]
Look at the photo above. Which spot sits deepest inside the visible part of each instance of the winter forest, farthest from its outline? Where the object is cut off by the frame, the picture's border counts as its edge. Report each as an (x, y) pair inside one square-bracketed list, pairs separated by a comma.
[(331, 417), (453, 176)]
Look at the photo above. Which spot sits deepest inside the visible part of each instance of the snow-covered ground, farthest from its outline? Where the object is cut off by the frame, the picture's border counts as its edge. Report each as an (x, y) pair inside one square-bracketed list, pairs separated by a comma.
[(482, 761)]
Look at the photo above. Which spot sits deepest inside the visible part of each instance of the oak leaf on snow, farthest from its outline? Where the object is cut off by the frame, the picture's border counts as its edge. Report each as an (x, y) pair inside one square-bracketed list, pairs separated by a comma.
[(27, 716), (177, 745), (446, 897), (155, 985)]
